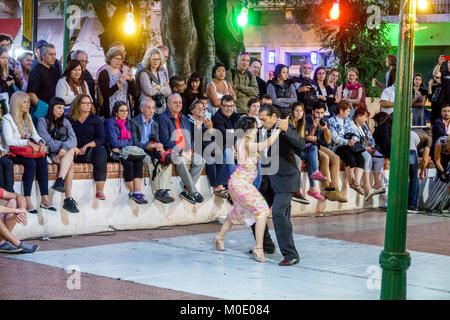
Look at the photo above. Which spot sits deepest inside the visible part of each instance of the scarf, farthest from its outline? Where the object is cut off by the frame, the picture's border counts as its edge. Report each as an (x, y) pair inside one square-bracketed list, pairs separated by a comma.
[(124, 133), (353, 86)]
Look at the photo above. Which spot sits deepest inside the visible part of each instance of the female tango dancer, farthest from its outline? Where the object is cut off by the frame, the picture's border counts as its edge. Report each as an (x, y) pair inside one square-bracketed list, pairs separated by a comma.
[(249, 206)]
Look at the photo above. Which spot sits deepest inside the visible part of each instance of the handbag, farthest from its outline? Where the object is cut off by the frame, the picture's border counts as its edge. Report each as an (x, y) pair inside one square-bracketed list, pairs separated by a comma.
[(26, 152), (131, 153), (357, 147), (85, 158), (60, 133)]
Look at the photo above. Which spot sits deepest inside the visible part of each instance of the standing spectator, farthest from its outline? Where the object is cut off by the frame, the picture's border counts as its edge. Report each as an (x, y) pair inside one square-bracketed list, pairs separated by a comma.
[(243, 81), (173, 124), (373, 160), (391, 63), (413, 187), (20, 133), (333, 90), (298, 119), (26, 61), (387, 98), (436, 97), (119, 45), (344, 137), (72, 83), (152, 81), (353, 92), (194, 91), (282, 90), (266, 99), (439, 71), (9, 83), (38, 57), (90, 133), (225, 120), (306, 87), (118, 136), (218, 87), (116, 82), (255, 68), (83, 57), (165, 56), (58, 135), (319, 134), (6, 41), (145, 135), (419, 99), (42, 82), (320, 76)]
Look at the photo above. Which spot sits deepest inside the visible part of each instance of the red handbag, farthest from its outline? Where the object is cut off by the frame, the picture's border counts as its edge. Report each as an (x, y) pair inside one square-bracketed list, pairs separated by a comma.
[(26, 152)]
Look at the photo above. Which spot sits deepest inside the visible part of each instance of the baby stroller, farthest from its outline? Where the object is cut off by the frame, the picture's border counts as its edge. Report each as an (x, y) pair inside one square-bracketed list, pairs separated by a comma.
[(439, 198)]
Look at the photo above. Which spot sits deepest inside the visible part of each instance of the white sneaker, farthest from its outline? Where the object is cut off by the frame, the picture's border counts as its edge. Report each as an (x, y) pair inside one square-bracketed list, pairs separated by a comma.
[(374, 192)]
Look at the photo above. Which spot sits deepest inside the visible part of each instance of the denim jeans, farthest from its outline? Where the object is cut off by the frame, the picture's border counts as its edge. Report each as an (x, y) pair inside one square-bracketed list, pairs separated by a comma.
[(311, 155), (413, 178)]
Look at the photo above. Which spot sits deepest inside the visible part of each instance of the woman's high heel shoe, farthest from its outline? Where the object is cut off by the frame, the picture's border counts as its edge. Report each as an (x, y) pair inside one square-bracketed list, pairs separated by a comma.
[(219, 244), (259, 257)]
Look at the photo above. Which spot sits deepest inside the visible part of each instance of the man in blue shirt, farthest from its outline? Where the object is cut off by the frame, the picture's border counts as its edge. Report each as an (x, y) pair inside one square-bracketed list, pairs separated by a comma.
[(145, 134)]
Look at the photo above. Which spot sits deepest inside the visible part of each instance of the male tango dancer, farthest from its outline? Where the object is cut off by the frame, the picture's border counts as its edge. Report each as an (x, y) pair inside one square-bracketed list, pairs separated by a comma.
[(279, 186)]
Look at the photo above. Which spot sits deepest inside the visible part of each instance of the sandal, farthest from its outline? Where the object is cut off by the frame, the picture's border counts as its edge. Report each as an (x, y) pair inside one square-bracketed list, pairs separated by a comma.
[(50, 207), (357, 188), (259, 257)]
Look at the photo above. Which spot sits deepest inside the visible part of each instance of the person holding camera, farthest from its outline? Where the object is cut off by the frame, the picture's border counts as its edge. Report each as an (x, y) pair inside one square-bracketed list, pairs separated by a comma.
[(345, 143), (318, 133), (145, 135), (373, 160), (436, 97), (116, 82), (306, 88), (439, 71), (58, 135), (282, 90)]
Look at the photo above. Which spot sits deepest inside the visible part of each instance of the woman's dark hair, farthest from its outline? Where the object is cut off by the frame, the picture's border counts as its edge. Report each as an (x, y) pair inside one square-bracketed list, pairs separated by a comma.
[(71, 65), (380, 117), (117, 106), (317, 71), (245, 123), (278, 69), (201, 91), (52, 122), (421, 76), (216, 66), (392, 59), (391, 79)]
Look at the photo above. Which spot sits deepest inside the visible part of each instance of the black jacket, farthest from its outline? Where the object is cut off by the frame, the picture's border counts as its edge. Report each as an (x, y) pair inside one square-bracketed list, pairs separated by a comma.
[(222, 123), (262, 87), (383, 136)]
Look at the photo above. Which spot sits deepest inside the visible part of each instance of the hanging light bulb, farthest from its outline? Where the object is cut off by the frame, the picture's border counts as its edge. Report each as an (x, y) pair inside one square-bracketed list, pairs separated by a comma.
[(423, 4), (242, 19), (130, 26), (334, 13)]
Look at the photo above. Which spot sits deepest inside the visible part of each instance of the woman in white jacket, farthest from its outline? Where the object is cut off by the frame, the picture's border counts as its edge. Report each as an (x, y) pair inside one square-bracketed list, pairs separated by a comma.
[(71, 83), (19, 131)]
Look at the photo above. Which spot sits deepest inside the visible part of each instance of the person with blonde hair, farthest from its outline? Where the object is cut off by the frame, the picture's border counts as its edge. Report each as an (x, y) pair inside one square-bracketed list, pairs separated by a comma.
[(27, 149), (152, 81)]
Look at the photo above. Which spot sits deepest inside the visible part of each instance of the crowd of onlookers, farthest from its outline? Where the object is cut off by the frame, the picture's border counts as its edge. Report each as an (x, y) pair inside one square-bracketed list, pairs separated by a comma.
[(150, 119)]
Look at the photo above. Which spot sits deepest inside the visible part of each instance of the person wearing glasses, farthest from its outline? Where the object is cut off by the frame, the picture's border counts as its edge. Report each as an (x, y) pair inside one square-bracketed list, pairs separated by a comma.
[(444, 74), (243, 81), (90, 132), (436, 97), (116, 82)]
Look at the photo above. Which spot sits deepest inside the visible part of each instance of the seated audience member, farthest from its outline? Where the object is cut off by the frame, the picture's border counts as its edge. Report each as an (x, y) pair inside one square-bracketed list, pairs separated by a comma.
[(319, 134), (6, 42), (118, 136), (441, 127), (297, 118), (27, 148), (152, 81), (26, 61), (176, 135), (383, 133), (6, 168), (72, 83), (177, 84), (253, 106), (83, 57), (14, 212), (194, 91), (442, 154), (145, 135), (9, 82), (59, 137), (345, 144), (90, 133), (266, 99), (218, 87), (225, 120), (373, 160), (387, 98), (282, 90)]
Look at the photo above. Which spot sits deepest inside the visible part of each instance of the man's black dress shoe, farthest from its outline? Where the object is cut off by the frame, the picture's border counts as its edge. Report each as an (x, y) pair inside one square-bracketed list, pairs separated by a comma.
[(288, 262)]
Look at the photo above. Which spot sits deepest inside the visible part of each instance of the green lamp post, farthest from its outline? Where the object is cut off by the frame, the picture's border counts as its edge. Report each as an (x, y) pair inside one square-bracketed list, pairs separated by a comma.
[(394, 259)]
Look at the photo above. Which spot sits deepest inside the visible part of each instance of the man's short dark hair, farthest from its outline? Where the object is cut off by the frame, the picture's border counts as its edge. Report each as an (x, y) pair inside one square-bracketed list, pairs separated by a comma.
[(319, 105), (4, 36), (226, 98), (255, 60), (266, 96), (174, 81), (270, 110)]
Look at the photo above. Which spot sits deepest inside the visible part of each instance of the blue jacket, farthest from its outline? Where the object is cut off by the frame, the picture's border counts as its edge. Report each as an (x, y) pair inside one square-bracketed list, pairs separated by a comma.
[(167, 128), (112, 132), (338, 132)]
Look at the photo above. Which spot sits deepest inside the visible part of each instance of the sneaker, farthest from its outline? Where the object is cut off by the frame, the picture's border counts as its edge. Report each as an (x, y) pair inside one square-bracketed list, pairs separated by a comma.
[(163, 196), (100, 196), (188, 197), (138, 198), (28, 248), (374, 192), (298, 197), (59, 185), (316, 195), (70, 205), (413, 209), (333, 194), (198, 197), (318, 176), (7, 247)]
